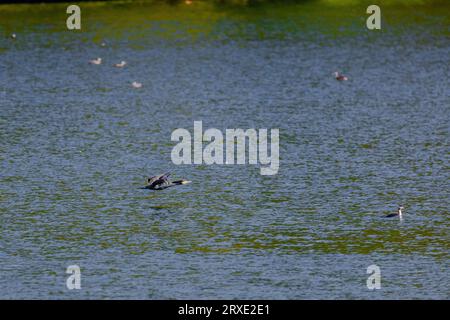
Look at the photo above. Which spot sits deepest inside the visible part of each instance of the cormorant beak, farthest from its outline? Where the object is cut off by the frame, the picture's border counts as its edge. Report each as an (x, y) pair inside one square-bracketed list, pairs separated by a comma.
[(185, 182)]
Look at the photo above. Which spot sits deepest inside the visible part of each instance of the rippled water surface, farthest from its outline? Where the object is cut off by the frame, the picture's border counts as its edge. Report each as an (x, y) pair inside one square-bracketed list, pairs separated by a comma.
[(77, 142)]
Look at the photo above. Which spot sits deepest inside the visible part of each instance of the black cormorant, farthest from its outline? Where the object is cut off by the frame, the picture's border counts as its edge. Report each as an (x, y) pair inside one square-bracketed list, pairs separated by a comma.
[(162, 181)]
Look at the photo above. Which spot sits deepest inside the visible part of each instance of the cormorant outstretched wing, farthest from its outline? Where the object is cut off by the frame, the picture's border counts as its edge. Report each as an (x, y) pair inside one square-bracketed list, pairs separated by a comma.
[(158, 177), (157, 180)]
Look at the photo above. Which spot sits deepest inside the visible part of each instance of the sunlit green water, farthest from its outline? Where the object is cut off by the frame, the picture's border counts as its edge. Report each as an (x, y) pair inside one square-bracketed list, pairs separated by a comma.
[(77, 141)]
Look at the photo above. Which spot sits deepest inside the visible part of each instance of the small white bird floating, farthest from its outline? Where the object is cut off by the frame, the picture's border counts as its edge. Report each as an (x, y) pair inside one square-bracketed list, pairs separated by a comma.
[(121, 64), (340, 77), (13, 36), (96, 61), (136, 84)]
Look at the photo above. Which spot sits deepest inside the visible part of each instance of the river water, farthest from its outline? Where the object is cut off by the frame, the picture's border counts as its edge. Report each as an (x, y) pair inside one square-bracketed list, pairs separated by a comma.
[(77, 142)]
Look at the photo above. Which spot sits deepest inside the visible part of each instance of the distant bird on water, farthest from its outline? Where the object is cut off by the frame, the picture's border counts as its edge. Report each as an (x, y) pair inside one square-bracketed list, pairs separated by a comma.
[(136, 84), (121, 64), (13, 36), (340, 77), (162, 181), (96, 61), (398, 214)]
